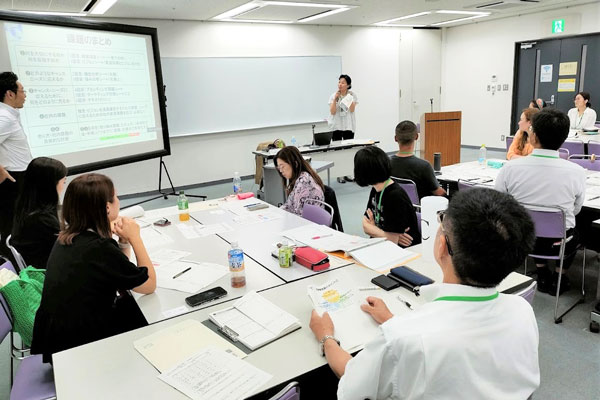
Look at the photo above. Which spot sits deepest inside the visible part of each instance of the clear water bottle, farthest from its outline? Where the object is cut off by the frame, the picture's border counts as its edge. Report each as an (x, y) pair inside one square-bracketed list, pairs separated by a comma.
[(183, 207), (236, 266), (237, 183), (482, 156), (294, 141)]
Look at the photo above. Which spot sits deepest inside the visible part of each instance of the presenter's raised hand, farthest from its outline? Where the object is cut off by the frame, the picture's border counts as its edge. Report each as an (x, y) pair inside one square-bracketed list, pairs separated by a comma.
[(377, 309), (127, 229)]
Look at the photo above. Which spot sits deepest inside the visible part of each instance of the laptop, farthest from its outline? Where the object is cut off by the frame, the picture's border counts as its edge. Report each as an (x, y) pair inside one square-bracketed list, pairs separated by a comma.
[(323, 138)]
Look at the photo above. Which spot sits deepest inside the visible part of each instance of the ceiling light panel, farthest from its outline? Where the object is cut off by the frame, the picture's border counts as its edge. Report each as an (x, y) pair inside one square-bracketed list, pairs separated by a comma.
[(280, 13)]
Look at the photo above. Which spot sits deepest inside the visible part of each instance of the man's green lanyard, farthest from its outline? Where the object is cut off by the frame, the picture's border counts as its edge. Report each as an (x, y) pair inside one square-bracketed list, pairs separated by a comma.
[(467, 298), (387, 183), (406, 152), (542, 156)]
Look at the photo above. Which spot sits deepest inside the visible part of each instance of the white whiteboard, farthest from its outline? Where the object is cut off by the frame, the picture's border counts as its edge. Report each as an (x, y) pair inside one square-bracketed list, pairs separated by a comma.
[(209, 95)]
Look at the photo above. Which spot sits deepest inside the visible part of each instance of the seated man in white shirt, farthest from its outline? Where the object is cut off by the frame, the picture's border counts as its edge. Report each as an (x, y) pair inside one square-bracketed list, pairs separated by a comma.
[(467, 341), (543, 178)]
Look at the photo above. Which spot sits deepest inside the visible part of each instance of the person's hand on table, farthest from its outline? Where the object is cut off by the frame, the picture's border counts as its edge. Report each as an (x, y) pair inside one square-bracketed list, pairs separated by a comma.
[(321, 325), (377, 309), (404, 239)]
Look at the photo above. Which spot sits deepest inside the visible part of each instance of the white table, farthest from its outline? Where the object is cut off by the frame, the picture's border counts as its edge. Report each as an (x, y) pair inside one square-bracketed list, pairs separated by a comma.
[(112, 368), (164, 303), (258, 240)]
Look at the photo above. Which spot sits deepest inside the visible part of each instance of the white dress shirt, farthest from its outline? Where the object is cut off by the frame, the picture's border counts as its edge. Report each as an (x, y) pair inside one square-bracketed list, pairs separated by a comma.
[(466, 343), (15, 154), (586, 120), (342, 120), (543, 178)]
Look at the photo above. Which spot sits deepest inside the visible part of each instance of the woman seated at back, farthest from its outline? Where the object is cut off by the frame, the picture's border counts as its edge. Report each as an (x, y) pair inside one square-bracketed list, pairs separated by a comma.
[(389, 213), (520, 147), (87, 268), (300, 180), (36, 226)]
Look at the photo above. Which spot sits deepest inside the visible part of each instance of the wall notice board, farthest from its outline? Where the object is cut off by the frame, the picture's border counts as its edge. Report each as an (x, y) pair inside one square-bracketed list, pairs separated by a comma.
[(211, 95)]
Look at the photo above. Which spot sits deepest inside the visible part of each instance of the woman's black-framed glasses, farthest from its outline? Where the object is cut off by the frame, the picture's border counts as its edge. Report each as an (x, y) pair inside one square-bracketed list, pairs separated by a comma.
[(440, 218)]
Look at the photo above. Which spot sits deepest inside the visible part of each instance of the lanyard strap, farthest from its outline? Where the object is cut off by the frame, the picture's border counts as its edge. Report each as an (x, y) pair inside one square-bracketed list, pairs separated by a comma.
[(467, 298), (542, 156), (406, 152), (387, 183), (578, 124)]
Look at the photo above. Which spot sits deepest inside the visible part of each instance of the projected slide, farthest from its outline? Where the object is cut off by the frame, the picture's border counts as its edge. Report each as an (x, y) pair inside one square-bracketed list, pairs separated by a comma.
[(85, 89)]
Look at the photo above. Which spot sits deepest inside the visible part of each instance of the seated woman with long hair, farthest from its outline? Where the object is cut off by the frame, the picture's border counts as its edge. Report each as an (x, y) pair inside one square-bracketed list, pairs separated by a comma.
[(520, 147), (35, 225), (390, 213), (85, 296), (300, 180)]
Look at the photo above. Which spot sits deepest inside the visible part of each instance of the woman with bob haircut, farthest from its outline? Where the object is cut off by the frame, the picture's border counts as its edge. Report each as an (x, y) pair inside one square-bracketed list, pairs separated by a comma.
[(520, 147), (85, 296), (389, 213), (301, 182), (35, 225)]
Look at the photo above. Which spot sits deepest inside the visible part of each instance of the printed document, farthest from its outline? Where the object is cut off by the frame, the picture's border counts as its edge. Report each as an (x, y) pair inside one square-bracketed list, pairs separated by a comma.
[(213, 374), (189, 276)]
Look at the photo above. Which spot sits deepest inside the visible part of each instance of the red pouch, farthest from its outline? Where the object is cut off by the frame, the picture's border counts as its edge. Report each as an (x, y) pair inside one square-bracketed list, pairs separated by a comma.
[(311, 258)]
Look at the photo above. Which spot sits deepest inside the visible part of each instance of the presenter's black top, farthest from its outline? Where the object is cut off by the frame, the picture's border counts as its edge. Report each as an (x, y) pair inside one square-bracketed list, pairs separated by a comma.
[(35, 237), (418, 171), (396, 212), (79, 300)]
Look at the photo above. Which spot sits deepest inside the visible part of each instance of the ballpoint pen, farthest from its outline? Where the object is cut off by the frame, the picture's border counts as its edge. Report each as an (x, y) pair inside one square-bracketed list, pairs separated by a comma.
[(406, 303), (182, 272), (322, 236)]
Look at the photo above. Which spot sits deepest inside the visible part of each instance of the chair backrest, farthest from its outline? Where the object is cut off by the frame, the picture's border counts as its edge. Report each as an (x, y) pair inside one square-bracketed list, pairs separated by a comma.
[(410, 187), (529, 292), (563, 153), (419, 221), (5, 316), (585, 161), (593, 147), (317, 212), (509, 140), (290, 392), (17, 256), (331, 199), (549, 221), (574, 146)]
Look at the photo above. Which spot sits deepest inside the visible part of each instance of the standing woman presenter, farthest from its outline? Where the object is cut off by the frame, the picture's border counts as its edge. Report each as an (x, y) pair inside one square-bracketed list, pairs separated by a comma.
[(341, 107)]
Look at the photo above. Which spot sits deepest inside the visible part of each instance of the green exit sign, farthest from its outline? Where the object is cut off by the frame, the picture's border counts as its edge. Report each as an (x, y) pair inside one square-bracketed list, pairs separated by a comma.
[(558, 26)]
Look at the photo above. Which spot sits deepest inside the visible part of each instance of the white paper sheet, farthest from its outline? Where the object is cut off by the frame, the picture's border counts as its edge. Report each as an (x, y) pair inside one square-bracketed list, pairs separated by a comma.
[(152, 237), (383, 256), (213, 374), (167, 256), (199, 276), (197, 231)]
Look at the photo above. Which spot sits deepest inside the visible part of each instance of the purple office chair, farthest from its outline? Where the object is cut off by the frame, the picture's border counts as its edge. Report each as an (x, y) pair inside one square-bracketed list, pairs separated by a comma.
[(563, 153), (509, 140), (410, 187), (529, 292), (574, 146), (316, 211), (550, 223), (290, 392), (34, 379), (585, 161), (593, 147)]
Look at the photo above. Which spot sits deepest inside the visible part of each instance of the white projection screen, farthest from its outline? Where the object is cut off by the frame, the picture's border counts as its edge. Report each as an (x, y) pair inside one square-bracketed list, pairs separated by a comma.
[(95, 97)]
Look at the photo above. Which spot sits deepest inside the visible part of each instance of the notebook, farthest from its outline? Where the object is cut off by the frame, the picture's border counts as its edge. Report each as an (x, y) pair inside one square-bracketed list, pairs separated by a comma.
[(254, 321)]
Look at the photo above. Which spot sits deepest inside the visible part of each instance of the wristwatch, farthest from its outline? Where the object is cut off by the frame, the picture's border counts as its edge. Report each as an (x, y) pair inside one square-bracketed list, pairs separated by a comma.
[(322, 343)]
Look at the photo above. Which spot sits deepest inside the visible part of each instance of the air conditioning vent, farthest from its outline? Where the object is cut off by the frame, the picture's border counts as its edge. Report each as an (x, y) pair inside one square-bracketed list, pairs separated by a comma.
[(500, 5)]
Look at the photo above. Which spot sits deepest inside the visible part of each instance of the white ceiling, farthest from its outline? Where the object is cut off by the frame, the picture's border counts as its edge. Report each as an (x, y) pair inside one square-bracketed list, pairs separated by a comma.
[(366, 12)]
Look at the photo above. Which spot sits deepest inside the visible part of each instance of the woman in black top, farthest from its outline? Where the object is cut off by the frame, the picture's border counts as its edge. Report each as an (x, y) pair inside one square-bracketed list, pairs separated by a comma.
[(389, 213), (35, 225), (88, 275)]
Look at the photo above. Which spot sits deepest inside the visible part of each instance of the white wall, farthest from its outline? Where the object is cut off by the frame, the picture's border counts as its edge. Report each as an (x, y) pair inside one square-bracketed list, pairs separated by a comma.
[(472, 53), (371, 56)]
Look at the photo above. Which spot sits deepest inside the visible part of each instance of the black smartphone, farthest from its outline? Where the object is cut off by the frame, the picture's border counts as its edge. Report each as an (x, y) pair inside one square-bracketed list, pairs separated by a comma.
[(385, 282), (206, 296), (162, 222)]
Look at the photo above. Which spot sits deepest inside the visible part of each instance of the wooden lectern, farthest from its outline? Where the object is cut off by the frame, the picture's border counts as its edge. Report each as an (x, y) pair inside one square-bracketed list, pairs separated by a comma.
[(440, 133)]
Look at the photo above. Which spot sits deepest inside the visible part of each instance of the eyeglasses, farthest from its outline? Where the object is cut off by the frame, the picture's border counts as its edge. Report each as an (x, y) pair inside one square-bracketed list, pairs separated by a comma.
[(440, 218)]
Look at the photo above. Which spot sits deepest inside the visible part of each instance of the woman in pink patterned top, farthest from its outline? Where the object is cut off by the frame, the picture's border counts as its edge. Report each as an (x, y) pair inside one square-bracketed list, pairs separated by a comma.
[(300, 180)]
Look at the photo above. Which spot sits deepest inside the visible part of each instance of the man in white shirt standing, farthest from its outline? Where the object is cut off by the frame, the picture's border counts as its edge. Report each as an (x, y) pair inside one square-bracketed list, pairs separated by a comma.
[(468, 341), (543, 178), (15, 154)]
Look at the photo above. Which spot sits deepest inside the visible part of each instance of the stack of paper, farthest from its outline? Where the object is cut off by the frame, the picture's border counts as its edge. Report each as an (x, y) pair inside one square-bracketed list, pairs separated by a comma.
[(188, 276), (353, 327), (382, 256), (254, 321)]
